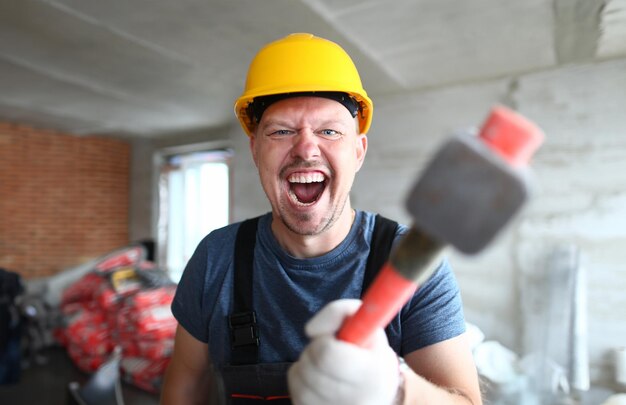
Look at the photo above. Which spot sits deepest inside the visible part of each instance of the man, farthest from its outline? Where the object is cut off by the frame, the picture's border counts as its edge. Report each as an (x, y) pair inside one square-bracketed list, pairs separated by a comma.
[(250, 288)]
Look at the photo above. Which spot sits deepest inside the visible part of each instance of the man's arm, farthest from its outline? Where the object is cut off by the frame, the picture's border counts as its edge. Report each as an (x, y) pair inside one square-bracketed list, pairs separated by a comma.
[(443, 373), (188, 377)]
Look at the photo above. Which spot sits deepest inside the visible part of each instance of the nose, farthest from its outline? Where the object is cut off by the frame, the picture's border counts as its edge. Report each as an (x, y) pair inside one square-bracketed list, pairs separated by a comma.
[(305, 145)]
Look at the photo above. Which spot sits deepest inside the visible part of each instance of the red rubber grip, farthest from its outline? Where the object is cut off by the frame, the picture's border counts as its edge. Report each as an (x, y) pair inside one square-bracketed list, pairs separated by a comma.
[(382, 301)]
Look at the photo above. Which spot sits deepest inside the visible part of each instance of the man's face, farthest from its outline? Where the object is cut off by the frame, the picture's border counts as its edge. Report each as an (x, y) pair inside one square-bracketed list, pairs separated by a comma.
[(307, 151)]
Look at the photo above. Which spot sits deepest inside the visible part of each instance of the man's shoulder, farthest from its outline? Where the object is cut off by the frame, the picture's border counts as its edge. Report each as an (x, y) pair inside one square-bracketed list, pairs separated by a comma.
[(229, 232), (369, 220), (220, 239)]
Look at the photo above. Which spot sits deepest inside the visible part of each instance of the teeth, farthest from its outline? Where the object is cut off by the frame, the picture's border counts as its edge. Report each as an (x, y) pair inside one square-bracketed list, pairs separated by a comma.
[(306, 178)]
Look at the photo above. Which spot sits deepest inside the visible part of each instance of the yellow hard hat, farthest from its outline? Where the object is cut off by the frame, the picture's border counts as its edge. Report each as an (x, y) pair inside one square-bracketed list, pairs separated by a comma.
[(302, 63)]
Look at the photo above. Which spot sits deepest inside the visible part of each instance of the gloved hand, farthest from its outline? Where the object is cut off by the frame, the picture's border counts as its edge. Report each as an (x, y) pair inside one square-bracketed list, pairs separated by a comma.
[(330, 371)]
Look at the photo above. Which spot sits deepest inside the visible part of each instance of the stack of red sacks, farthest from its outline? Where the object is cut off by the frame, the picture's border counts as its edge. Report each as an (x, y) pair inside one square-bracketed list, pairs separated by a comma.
[(116, 304), (146, 329), (87, 336)]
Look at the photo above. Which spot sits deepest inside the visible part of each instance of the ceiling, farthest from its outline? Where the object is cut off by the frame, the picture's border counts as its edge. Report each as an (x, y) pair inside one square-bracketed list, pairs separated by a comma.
[(149, 68)]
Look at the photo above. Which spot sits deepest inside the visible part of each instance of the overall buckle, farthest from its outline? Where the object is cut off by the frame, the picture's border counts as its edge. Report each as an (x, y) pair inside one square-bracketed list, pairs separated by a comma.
[(243, 329)]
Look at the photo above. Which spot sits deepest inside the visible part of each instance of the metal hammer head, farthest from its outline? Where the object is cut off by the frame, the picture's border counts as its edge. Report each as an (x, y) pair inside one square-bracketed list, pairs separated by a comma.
[(473, 186)]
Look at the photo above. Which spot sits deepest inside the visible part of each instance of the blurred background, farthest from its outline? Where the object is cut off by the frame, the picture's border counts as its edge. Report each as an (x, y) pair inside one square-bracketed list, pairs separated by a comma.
[(117, 127)]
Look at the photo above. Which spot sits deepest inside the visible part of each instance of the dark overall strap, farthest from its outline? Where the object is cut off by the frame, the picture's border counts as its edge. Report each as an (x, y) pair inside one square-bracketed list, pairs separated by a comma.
[(242, 322), (380, 246)]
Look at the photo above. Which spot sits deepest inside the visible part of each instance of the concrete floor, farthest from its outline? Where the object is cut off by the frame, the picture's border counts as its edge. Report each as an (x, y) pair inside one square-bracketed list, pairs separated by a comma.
[(46, 384)]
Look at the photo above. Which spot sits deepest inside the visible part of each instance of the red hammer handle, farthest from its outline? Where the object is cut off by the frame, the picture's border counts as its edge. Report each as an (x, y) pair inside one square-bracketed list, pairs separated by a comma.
[(382, 301)]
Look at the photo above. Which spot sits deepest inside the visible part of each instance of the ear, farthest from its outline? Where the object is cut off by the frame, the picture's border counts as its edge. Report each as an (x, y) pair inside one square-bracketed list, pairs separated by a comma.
[(253, 149), (361, 150)]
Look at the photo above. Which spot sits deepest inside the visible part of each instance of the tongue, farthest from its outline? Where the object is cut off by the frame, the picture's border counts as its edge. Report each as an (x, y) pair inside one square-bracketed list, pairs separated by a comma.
[(307, 192)]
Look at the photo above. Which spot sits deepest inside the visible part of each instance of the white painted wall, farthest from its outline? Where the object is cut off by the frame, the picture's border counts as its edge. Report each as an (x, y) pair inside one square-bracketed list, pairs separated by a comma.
[(579, 194)]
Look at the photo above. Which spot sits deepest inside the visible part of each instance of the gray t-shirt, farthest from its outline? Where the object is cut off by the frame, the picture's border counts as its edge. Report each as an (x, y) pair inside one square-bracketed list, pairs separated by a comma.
[(288, 291)]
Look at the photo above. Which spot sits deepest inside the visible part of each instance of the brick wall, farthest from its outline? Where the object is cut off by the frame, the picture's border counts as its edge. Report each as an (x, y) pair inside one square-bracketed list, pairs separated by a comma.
[(63, 199)]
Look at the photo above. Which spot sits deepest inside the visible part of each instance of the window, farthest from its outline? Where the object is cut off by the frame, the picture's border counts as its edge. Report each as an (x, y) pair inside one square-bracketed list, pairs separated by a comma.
[(194, 199)]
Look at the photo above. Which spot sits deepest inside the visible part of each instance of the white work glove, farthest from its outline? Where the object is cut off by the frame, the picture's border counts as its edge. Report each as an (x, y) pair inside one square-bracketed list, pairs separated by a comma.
[(330, 371)]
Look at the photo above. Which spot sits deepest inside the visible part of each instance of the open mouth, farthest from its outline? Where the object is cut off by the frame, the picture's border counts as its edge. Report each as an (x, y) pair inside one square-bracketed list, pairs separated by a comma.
[(306, 188)]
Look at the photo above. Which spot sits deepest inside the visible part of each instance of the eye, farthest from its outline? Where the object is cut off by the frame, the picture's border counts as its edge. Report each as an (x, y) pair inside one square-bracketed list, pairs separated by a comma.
[(330, 133), (280, 132)]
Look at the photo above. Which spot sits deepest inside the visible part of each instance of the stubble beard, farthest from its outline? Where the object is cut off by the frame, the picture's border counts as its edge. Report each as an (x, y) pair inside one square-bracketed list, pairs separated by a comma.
[(293, 221)]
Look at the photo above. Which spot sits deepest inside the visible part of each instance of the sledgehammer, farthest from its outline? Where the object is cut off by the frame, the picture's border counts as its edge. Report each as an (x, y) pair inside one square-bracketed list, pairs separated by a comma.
[(467, 193)]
